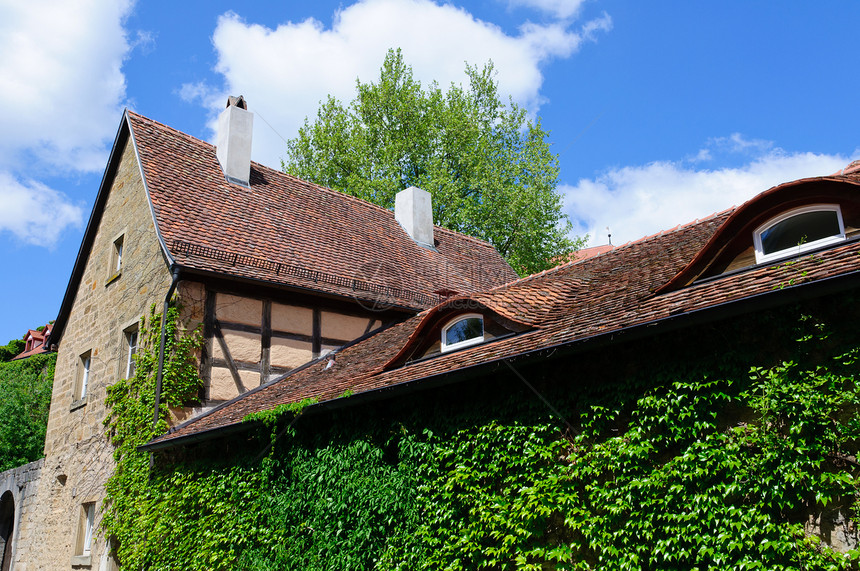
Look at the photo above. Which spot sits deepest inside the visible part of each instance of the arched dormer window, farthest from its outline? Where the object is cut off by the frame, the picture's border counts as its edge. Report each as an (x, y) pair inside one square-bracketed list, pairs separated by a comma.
[(462, 331), (798, 231), (443, 330)]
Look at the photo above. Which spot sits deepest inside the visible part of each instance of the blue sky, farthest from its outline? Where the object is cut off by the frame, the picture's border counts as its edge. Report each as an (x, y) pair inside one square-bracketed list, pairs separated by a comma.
[(662, 112)]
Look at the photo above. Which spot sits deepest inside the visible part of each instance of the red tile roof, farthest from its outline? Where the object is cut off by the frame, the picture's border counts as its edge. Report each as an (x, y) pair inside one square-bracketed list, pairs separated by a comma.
[(39, 337), (744, 219), (577, 301), (852, 168), (291, 232), (584, 253)]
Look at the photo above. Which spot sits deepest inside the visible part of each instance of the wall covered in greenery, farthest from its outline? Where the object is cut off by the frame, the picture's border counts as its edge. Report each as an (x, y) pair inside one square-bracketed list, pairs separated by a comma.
[(704, 448), (25, 397)]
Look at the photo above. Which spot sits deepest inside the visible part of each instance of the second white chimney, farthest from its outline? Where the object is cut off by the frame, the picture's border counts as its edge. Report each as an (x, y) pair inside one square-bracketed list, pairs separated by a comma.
[(413, 209), (235, 128)]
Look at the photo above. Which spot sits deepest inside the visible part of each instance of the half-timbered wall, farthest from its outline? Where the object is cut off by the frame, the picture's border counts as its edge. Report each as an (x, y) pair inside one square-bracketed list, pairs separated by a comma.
[(251, 340)]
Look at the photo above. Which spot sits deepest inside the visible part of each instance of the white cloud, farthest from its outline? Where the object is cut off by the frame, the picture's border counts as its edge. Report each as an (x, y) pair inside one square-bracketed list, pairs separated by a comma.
[(284, 73), (202, 93), (637, 201), (34, 213), (60, 68), (558, 8), (737, 143)]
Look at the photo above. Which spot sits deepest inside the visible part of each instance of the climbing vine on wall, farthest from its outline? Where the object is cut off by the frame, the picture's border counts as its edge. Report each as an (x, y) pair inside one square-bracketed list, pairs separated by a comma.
[(130, 423), (713, 460)]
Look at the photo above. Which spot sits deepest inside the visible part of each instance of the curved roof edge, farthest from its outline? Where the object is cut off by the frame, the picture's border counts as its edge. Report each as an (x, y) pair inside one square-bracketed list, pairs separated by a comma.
[(746, 213), (429, 319)]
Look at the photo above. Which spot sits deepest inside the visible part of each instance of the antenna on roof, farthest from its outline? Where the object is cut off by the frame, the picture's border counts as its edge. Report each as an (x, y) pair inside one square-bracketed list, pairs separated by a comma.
[(609, 234)]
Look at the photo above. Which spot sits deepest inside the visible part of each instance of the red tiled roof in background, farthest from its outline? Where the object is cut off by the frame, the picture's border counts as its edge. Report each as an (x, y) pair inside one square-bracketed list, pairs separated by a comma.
[(584, 253), (573, 302), (852, 168), (288, 231), (39, 338)]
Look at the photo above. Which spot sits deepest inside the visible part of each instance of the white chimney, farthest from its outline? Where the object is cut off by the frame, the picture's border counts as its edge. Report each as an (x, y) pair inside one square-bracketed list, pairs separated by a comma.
[(235, 127), (413, 209)]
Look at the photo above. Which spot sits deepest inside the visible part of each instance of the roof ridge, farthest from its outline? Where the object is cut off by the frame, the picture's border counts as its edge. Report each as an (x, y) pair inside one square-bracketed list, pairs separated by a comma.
[(851, 168), (667, 231), (161, 125), (331, 191), (628, 244), (364, 202), (472, 238)]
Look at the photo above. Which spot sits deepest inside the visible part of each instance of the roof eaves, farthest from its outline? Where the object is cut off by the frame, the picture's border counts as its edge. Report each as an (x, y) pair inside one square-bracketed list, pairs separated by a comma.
[(321, 358), (192, 271), (725, 310)]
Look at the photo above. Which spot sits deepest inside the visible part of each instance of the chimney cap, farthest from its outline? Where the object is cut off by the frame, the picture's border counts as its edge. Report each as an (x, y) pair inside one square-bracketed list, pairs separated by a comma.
[(239, 102)]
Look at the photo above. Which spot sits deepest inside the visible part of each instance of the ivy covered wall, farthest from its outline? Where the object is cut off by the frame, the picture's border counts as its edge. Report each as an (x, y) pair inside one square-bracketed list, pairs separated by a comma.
[(707, 448)]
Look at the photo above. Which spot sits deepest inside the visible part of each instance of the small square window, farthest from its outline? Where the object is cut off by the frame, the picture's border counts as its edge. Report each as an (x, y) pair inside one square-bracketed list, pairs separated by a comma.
[(83, 375), (116, 257), (86, 526), (130, 347)]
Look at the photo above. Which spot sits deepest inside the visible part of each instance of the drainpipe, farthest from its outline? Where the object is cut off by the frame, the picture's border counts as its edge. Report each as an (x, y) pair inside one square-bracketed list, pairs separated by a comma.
[(160, 373)]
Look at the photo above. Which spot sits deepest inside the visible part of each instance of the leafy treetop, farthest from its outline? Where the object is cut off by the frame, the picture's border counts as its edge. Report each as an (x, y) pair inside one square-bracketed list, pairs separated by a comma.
[(488, 168)]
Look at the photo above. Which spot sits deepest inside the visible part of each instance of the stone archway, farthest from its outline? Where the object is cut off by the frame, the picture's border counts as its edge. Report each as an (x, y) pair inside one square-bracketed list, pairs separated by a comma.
[(7, 529)]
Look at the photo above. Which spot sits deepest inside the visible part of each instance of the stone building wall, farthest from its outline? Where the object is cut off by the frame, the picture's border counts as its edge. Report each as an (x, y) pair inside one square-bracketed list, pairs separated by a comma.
[(107, 307), (18, 488), (125, 273)]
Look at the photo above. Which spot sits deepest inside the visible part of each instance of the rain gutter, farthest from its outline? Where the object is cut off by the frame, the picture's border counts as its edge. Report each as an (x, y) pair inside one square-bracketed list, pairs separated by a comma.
[(160, 374)]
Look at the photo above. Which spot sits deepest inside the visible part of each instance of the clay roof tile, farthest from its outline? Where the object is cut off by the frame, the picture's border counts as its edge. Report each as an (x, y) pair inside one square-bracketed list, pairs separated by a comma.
[(288, 231)]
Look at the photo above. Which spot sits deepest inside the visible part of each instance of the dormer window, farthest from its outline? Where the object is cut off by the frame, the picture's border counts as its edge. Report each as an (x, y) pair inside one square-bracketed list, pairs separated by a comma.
[(798, 231), (462, 331), (444, 330)]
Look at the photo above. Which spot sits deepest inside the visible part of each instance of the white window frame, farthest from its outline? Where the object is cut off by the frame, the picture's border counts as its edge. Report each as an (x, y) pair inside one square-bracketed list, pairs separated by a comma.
[(131, 343), (86, 364), (90, 517), (466, 342), (117, 246), (761, 257), (86, 531), (117, 251)]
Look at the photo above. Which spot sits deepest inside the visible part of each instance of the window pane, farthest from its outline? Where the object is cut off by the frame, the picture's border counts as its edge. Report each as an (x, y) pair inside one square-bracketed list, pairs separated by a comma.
[(118, 255), (131, 339), (801, 229), (85, 376), (468, 328), (89, 514)]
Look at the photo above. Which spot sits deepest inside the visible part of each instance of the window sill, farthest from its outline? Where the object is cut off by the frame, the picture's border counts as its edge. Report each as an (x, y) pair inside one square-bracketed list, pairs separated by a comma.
[(82, 560), (78, 404), (113, 278)]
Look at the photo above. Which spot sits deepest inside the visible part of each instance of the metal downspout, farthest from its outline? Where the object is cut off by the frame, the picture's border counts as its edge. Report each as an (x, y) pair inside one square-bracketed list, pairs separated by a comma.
[(161, 344)]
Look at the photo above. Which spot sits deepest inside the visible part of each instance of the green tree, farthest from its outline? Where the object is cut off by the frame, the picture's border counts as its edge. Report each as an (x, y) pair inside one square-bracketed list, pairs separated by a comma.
[(11, 349), (25, 397), (488, 167)]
